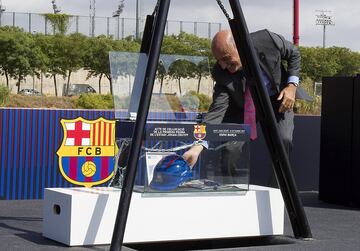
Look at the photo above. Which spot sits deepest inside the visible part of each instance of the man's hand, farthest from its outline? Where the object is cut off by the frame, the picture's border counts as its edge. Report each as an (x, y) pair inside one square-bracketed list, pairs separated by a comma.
[(192, 155), (287, 95)]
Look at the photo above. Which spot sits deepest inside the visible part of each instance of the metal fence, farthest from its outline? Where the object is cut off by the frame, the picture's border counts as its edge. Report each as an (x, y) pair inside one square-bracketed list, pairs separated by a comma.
[(116, 27)]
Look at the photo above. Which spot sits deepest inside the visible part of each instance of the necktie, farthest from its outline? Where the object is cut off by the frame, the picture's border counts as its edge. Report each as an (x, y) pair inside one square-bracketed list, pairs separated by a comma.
[(249, 113)]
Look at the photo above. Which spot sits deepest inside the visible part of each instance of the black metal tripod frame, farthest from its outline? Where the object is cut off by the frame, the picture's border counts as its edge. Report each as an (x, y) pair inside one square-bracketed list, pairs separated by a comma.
[(151, 45)]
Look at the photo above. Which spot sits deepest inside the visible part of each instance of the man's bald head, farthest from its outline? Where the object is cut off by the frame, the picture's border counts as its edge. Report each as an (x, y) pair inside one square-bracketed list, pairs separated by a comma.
[(224, 50), (221, 40)]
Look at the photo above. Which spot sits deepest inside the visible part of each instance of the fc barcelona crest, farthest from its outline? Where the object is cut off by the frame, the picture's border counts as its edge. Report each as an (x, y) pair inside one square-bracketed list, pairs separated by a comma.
[(86, 154), (199, 132)]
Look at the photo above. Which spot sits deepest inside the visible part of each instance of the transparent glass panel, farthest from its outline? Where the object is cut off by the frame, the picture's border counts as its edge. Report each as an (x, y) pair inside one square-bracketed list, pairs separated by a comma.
[(181, 96), (180, 83), (222, 167), (127, 73)]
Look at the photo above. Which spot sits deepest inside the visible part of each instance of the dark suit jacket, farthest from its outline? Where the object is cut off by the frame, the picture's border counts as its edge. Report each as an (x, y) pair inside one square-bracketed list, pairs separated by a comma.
[(228, 96)]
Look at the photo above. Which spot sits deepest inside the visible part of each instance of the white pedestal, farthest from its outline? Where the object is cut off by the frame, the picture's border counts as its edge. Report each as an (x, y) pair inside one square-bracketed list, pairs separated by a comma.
[(86, 216)]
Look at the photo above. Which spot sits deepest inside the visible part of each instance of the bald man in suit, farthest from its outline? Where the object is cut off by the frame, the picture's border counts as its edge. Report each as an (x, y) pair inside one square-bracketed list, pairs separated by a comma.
[(228, 97)]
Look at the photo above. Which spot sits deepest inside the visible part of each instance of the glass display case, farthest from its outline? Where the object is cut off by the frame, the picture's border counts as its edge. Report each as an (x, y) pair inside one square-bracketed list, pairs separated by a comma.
[(175, 129)]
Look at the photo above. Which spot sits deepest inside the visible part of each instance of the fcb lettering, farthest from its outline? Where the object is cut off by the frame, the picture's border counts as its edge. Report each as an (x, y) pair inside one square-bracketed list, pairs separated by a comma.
[(89, 151)]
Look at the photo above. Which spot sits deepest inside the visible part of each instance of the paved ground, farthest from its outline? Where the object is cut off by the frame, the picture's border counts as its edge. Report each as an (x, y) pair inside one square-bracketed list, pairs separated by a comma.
[(334, 228)]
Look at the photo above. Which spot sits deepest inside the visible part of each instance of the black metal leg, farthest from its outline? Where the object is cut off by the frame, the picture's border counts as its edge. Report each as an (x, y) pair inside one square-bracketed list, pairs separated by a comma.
[(139, 75), (276, 147), (125, 198)]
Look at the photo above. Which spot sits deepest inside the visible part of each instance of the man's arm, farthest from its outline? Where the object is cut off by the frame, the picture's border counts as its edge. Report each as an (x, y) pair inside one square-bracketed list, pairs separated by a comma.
[(218, 107), (215, 115), (291, 54)]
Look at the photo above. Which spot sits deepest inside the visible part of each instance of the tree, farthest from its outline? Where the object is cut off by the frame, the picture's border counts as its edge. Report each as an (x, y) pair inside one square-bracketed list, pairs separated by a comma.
[(334, 61), (348, 61), (97, 57), (59, 22), (200, 47), (74, 52), (126, 64), (55, 52), (5, 45), (161, 74), (190, 45), (317, 62), (201, 70), (42, 42), (181, 69), (7, 50), (20, 56)]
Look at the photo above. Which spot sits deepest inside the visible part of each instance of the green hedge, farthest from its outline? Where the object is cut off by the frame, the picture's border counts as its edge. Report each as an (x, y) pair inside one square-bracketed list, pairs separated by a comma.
[(198, 101), (4, 94), (308, 107), (95, 101)]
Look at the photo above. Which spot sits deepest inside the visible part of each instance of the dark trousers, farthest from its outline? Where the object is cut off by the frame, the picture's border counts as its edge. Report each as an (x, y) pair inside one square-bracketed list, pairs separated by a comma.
[(285, 123), (235, 163), (234, 156)]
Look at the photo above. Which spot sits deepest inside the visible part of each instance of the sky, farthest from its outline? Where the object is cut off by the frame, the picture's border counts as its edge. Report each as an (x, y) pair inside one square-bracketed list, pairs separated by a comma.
[(275, 15)]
